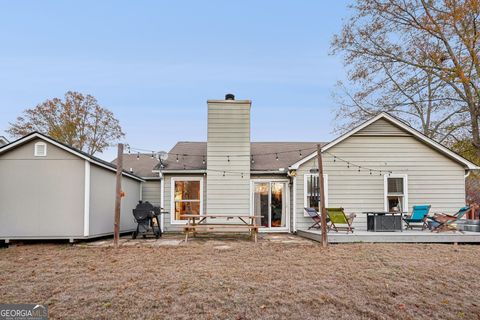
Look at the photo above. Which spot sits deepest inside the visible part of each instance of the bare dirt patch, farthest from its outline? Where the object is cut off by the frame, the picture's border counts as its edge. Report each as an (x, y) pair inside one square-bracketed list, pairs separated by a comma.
[(269, 280)]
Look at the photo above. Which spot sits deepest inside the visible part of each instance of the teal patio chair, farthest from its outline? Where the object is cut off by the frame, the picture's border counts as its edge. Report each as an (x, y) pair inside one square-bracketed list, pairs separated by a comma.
[(418, 218)]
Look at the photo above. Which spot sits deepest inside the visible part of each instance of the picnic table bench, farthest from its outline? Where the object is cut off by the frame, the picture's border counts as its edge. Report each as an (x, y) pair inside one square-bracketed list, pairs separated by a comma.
[(200, 223)]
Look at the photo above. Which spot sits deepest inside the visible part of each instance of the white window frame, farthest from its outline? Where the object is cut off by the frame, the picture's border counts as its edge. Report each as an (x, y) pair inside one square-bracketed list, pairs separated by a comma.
[(35, 149), (405, 207), (305, 189), (172, 197), (287, 202)]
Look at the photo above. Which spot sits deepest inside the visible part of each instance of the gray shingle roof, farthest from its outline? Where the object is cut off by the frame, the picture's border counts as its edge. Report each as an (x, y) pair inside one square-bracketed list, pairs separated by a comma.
[(142, 166), (262, 162)]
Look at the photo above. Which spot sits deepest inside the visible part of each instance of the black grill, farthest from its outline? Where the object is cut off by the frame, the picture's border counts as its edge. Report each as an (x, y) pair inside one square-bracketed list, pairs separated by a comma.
[(147, 217)]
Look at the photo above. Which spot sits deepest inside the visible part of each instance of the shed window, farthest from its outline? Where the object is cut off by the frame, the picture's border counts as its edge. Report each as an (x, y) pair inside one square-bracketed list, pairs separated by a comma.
[(396, 193), (40, 149), (187, 196)]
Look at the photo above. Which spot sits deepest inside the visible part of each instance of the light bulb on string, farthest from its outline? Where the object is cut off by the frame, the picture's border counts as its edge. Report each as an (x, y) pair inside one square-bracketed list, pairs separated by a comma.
[(177, 158), (203, 159), (253, 161), (276, 156), (138, 155)]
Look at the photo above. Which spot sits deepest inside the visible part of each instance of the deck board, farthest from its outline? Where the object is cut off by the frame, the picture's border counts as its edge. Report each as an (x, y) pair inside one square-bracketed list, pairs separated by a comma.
[(407, 236)]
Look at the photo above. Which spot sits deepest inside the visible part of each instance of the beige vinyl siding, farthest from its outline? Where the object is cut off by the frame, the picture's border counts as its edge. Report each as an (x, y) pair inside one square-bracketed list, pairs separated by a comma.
[(151, 192), (168, 199), (432, 177), (382, 127), (228, 134)]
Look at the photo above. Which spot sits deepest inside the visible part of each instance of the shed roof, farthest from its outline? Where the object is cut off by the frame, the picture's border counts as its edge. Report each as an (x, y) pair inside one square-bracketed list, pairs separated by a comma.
[(102, 163)]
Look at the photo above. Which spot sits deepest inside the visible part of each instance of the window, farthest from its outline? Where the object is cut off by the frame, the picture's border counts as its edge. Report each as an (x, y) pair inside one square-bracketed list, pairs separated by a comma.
[(396, 195), (40, 149), (187, 194), (311, 191)]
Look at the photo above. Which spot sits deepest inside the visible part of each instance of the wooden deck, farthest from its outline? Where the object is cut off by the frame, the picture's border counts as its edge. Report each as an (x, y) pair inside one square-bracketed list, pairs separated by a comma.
[(410, 236)]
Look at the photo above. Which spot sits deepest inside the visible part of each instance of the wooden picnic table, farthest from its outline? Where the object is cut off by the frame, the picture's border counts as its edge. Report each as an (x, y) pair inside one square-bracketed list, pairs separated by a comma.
[(199, 223)]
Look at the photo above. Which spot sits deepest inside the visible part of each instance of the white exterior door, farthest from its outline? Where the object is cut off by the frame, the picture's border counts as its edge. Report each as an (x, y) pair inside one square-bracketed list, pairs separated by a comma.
[(270, 202)]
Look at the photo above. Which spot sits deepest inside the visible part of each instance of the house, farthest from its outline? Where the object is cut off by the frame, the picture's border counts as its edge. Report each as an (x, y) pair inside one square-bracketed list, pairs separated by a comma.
[(3, 141), (49, 190), (383, 164)]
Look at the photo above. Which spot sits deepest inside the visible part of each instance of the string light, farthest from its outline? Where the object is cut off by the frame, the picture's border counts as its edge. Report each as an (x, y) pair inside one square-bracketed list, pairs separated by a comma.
[(238, 155), (224, 173), (252, 159)]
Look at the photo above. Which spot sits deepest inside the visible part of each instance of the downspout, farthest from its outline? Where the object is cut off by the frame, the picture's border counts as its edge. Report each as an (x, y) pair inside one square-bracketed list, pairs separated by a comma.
[(467, 174), (162, 199)]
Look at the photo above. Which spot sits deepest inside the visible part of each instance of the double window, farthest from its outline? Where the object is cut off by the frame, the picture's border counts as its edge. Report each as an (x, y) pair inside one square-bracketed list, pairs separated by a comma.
[(396, 193), (311, 191), (187, 197)]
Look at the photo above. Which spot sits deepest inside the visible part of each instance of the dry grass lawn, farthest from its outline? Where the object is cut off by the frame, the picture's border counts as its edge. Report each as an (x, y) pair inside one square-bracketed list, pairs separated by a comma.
[(205, 280)]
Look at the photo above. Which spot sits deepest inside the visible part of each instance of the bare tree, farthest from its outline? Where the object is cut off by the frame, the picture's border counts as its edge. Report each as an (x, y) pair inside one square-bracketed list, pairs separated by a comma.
[(435, 41), (421, 100), (78, 121)]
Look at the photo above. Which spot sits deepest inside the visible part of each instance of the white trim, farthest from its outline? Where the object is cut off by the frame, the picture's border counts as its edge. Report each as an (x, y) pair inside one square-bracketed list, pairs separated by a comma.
[(141, 191), (172, 196), (294, 220), (405, 190), (400, 124), (162, 203), (86, 203), (61, 146), (325, 181), (35, 149), (183, 171), (287, 203)]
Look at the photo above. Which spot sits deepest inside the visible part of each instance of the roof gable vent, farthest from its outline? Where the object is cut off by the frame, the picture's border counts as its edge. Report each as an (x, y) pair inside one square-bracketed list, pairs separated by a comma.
[(40, 149)]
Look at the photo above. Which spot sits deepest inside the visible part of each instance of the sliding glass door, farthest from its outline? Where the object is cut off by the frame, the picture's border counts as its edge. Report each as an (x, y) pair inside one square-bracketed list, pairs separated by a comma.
[(270, 203)]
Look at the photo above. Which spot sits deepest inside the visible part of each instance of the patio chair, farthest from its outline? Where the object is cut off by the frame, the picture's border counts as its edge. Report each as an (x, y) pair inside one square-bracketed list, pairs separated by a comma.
[(445, 222), (419, 215), (337, 216), (316, 217)]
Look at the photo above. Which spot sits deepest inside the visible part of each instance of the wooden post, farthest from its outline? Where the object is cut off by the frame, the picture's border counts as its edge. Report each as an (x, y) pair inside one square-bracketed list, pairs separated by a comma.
[(118, 197), (322, 197)]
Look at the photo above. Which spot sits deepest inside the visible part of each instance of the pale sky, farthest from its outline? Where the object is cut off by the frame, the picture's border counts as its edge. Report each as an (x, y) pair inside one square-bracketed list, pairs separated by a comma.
[(156, 63)]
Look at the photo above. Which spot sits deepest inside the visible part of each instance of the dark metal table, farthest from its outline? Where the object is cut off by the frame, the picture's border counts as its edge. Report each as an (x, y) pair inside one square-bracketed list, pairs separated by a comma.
[(384, 221)]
